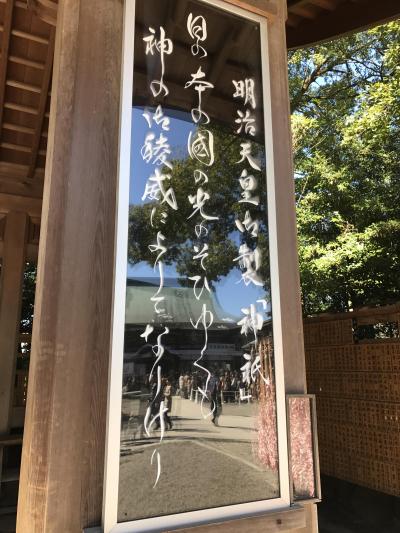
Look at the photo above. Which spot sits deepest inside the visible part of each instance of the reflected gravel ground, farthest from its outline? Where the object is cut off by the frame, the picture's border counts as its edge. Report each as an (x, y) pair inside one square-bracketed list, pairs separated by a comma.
[(202, 465)]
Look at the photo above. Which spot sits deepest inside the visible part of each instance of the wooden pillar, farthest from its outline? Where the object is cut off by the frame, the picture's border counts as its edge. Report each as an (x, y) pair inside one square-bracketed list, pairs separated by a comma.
[(292, 322), (291, 310), (12, 270), (63, 452)]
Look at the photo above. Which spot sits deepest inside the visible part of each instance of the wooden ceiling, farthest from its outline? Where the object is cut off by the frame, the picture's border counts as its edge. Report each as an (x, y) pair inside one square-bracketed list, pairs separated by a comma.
[(27, 32), (27, 49), (312, 21)]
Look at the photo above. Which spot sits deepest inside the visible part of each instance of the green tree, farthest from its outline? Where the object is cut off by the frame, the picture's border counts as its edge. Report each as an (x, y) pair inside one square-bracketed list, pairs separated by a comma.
[(346, 117), (179, 228)]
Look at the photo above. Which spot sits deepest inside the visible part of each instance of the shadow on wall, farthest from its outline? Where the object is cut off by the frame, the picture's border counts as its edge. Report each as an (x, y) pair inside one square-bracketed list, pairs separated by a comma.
[(348, 508)]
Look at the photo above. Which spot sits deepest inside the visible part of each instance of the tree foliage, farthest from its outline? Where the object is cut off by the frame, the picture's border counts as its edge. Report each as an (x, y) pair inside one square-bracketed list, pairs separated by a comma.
[(179, 228), (346, 118)]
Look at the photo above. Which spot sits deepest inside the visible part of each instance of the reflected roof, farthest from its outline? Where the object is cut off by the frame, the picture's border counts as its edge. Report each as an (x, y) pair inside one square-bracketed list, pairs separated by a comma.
[(180, 305)]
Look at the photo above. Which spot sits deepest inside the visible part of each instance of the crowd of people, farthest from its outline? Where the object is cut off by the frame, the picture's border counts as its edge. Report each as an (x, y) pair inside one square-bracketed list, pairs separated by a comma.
[(221, 386), (228, 385), (225, 385)]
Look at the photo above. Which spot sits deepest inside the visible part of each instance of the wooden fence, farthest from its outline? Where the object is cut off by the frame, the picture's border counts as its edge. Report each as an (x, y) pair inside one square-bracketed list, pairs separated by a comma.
[(353, 367)]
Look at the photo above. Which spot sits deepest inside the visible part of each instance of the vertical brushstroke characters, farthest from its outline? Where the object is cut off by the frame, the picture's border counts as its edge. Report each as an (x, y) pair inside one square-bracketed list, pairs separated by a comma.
[(252, 321), (157, 190), (200, 85), (157, 118), (246, 123), (244, 89), (249, 262), (162, 46), (248, 224), (201, 150), (162, 195), (197, 28), (205, 321), (201, 146), (249, 258), (155, 152)]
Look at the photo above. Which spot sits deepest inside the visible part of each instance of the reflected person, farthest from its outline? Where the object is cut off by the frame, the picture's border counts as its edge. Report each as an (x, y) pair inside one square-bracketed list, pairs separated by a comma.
[(212, 393)]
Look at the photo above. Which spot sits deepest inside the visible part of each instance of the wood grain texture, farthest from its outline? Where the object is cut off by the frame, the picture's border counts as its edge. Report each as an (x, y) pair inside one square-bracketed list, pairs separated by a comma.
[(12, 269), (265, 8), (44, 92), (292, 324), (11, 202), (5, 45), (63, 452), (311, 519)]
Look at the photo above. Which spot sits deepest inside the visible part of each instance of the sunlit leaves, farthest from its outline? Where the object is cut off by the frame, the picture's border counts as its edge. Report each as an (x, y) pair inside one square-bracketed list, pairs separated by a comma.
[(346, 126)]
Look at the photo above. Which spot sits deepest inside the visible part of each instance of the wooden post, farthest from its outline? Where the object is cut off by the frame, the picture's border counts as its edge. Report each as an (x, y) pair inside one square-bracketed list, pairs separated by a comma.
[(12, 270), (63, 452), (292, 322)]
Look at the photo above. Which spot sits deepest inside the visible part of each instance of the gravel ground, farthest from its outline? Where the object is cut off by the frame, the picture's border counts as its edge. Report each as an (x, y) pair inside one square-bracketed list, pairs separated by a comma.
[(193, 477), (202, 465)]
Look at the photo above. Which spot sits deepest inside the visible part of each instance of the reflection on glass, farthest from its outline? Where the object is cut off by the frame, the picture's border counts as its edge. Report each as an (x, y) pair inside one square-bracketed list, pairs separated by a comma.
[(198, 403)]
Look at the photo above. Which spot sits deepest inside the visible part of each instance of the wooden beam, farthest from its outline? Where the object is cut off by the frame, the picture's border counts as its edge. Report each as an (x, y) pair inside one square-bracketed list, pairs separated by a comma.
[(12, 202), (42, 104), (12, 269), (23, 86), (29, 36), (19, 188), (264, 8), (14, 172), (294, 519), (305, 11), (26, 62), (21, 148), (16, 147), (10, 440), (18, 128), (346, 18), (64, 440), (26, 35), (5, 46), (291, 311), (329, 5), (18, 3), (45, 10), (293, 20), (23, 108)]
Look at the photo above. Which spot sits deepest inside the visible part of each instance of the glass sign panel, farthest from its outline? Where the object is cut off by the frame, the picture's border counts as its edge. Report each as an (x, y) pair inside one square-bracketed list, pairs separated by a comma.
[(198, 421)]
